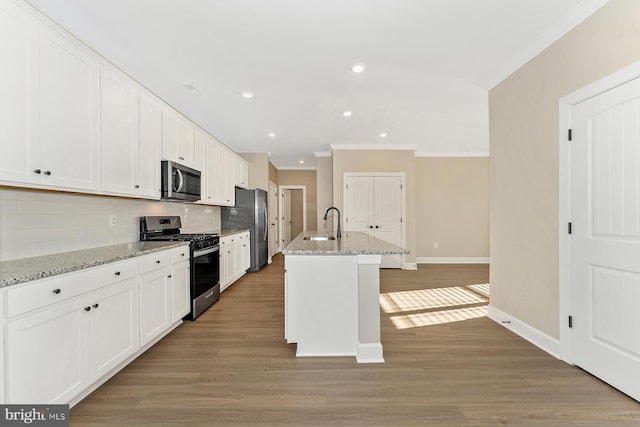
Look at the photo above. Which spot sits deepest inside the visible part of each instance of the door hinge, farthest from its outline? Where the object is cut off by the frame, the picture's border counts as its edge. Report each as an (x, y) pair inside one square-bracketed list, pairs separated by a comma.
[(571, 321), (569, 228), (401, 186), (569, 134), (400, 219), (347, 186)]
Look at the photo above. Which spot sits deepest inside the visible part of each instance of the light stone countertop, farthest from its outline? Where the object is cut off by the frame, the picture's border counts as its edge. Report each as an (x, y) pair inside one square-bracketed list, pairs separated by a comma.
[(27, 269), (351, 243), (228, 232)]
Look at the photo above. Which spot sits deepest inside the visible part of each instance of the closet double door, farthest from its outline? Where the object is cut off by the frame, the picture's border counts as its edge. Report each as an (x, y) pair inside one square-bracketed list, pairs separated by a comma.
[(374, 204)]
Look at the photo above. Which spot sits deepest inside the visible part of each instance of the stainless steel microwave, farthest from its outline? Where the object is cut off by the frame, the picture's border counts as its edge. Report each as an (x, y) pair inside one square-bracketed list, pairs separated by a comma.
[(179, 182)]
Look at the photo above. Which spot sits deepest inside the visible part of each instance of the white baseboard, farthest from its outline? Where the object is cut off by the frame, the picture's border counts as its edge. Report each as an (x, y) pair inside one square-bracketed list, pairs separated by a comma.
[(369, 353), (528, 332), (452, 260), (409, 266)]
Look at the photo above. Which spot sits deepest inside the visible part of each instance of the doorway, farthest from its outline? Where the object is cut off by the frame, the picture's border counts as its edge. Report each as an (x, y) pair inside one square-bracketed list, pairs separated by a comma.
[(292, 213), (600, 246), (273, 220)]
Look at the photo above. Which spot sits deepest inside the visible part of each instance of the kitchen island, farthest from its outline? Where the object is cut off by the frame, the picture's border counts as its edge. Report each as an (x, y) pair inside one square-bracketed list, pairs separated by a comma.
[(332, 290)]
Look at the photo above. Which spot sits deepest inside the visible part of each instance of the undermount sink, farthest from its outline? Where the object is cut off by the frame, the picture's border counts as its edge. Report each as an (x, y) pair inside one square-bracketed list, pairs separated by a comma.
[(319, 238)]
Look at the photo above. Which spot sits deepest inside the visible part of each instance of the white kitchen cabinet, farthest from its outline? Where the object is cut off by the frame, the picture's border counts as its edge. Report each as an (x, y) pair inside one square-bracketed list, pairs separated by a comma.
[(200, 161), (18, 86), (235, 258), (180, 281), (97, 331), (226, 177), (177, 138), (155, 295), (241, 173), (211, 195), (150, 135), (68, 114), (119, 118)]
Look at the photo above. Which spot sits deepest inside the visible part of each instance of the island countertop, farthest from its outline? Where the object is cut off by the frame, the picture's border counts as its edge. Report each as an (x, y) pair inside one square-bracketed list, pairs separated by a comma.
[(351, 243), (27, 269)]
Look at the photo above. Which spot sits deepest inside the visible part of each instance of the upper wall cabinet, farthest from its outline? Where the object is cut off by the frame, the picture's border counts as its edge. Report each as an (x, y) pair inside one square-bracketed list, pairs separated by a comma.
[(241, 173), (177, 138), (129, 138), (49, 107)]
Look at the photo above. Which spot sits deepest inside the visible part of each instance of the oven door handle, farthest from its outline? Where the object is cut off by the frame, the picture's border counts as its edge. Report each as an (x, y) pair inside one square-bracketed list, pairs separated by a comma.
[(206, 251)]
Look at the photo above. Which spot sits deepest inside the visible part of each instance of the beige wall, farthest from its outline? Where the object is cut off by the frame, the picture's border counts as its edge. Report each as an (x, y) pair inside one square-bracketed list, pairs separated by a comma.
[(379, 161), (297, 211), (258, 170), (524, 230), (324, 176), (308, 179), (452, 206), (273, 173)]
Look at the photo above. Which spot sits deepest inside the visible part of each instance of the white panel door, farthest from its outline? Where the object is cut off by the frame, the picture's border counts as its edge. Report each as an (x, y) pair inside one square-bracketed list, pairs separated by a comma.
[(273, 219), (388, 216), (605, 241), (286, 217), (359, 211)]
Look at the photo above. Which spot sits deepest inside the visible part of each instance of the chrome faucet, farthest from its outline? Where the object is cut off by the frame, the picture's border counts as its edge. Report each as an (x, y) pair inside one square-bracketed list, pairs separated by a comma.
[(339, 232)]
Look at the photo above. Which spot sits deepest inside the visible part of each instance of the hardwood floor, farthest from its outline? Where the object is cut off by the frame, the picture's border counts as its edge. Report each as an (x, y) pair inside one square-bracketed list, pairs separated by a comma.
[(232, 367)]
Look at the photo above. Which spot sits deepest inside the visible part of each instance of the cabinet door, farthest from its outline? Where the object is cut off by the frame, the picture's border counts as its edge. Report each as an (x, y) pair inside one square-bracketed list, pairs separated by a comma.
[(68, 114), (241, 173), (18, 86), (246, 253), (177, 138), (150, 137), (212, 196), (118, 134), (180, 292), (113, 332), (226, 190), (155, 310), (46, 355), (224, 274), (231, 262), (199, 162)]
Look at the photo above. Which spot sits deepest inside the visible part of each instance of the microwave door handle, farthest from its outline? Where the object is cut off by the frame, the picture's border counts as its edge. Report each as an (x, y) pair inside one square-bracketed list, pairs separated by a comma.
[(181, 178)]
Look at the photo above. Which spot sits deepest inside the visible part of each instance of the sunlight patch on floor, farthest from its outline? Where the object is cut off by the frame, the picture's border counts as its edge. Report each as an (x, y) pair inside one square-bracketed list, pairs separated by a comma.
[(424, 299), (421, 306), (438, 317)]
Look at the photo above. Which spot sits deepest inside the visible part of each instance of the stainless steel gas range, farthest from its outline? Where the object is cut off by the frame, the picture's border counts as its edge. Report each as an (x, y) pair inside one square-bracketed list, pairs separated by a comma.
[(205, 258)]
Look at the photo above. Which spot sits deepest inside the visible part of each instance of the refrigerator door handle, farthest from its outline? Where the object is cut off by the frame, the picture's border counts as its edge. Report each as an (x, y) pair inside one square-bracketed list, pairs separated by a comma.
[(264, 210)]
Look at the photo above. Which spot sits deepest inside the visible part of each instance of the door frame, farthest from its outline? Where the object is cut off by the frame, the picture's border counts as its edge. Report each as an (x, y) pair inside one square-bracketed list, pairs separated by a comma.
[(403, 232), (273, 192), (566, 105), (281, 189)]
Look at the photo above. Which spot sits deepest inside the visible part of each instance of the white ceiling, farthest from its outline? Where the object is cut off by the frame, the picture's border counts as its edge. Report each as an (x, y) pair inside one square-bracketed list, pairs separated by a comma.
[(429, 65)]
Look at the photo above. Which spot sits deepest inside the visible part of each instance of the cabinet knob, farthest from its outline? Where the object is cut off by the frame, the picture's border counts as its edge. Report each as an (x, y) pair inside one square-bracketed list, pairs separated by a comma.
[(96, 305), (47, 172), (371, 226), (87, 309), (136, 186), (169, 276), (38, 171), (157, 261), (56, 291), (378, 226), (117, 273), (181, 158), (182, 254)]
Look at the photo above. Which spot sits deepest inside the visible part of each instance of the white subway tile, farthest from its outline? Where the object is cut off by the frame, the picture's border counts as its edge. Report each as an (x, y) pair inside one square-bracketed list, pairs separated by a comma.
[(8, 207), (40, 207)]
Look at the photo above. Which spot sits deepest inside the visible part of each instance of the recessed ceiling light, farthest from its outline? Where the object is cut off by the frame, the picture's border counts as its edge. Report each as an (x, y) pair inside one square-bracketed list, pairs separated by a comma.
[(271, 135), (301, 162), (358, 68), (247, 95), (347, 113), (383, 135)]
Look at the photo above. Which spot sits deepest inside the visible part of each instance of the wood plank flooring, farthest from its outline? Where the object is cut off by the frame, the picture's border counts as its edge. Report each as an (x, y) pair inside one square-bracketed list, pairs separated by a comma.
[(232, 367)]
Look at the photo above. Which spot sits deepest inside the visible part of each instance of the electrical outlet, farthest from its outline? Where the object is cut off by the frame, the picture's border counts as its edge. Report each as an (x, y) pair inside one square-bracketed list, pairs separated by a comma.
[(435, 245), (113, 221)]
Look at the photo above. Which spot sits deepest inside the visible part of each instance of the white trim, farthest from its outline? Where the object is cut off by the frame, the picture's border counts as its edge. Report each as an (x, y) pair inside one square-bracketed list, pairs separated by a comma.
[(281, 189), (369, 259), (566, 104), (453, 260), (322, 153), (528, 332), (452, 154), (373, 147), (546, 39), (296, 168), (409, 266), (369, 353)]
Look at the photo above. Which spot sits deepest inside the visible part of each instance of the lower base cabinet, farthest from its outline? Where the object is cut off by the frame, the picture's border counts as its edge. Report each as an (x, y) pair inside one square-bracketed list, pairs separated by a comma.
[(53, 355), (58, 343), (235, 257)]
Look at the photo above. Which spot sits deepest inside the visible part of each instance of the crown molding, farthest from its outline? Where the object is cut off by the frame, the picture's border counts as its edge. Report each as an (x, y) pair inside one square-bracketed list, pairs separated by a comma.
[(411, 147), (433, 154)]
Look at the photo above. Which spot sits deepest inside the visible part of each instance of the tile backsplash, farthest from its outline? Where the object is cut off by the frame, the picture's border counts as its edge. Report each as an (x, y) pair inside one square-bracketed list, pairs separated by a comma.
[(36, 223)]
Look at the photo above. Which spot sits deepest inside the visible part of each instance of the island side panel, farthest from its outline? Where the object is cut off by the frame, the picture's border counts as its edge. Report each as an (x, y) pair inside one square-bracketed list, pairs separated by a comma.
[(369, 345), (322, 304)]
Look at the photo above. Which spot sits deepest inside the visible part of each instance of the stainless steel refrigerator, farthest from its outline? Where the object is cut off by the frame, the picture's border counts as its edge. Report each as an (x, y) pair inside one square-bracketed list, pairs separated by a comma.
[(250, 212)]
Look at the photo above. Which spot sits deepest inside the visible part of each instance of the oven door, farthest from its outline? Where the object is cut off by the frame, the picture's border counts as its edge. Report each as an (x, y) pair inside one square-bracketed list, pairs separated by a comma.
[(205, 279)]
